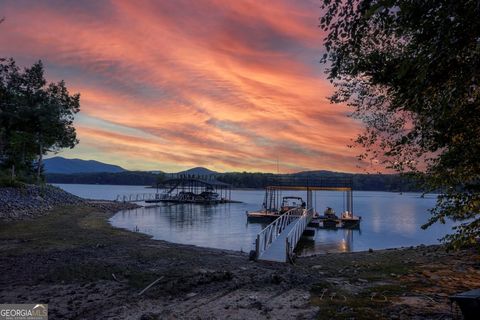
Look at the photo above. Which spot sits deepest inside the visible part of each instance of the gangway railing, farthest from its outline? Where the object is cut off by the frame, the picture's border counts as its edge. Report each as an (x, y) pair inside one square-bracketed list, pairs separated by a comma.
[(268, 235), (137, 197), (296, 233)]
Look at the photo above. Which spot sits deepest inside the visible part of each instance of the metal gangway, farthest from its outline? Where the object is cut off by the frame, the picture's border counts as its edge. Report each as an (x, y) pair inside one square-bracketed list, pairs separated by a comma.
[(139, 197), (278, 240)]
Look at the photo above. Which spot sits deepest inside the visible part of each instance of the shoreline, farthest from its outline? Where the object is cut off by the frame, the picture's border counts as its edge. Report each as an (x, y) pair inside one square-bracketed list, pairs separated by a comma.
[(83, 267), (239, 189)]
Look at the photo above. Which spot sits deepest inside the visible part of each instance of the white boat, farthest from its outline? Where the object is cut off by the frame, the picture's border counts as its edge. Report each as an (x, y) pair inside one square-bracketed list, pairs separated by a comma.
[(288, 203)]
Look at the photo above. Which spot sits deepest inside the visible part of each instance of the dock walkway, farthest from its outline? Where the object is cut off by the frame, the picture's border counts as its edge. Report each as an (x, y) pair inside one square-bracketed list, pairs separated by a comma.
[(277, 250), (278, 240)]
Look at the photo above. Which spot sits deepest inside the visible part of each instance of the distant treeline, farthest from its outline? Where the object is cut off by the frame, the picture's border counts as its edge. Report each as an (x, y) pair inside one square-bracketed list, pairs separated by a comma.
[(367, 182), (133, 178)]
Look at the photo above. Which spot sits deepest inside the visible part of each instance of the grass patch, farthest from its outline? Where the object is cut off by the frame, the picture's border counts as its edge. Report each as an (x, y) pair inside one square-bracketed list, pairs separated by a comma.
[(348, 307), (140, 279), (384, 270), (67, 235), (81, 273), (65, 228), (370, 303), (84, 273), (9, 183)]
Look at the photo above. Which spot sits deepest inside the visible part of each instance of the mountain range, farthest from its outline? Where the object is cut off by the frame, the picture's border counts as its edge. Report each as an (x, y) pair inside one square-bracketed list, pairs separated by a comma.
[(60, 165), (68, 166), (61, 170)]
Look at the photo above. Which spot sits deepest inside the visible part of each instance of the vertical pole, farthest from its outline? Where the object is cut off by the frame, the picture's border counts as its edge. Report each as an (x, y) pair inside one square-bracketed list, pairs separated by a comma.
[(269, 198), (309, 198), (273, 198), (277, 197), (287, 245), (347, 199), (257, 247), (272, 192), (351, 201)]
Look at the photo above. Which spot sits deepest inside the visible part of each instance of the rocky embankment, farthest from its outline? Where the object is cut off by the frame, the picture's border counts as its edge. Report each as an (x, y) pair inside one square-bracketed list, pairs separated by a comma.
[(30, 201)]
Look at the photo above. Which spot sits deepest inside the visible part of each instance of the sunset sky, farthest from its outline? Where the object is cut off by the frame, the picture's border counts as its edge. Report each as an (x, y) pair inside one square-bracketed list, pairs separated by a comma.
[(168, 85)]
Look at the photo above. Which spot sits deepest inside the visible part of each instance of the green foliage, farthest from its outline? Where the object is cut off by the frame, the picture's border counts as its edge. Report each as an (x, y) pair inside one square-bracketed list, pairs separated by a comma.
[(35, 118), (160, 178), (410, 71), (246, 179), (367, 182), (137, 178), (7, 181)]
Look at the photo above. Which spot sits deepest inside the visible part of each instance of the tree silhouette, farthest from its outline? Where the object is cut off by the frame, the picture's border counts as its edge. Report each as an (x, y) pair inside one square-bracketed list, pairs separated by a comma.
[(410, 71), (35, 117)]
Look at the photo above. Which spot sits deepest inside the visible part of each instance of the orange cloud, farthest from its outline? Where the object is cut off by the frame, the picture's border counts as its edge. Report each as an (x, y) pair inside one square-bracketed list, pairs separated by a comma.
[(232, 85)]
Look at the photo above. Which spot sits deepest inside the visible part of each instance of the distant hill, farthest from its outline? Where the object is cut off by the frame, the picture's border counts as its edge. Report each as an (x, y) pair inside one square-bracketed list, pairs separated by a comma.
[(69, 166), (61, 170), (132, 178), (198, 171), (321, 173)]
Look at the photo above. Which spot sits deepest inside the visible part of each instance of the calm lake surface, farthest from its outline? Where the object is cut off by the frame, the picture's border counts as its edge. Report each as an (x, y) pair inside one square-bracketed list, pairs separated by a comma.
[(388, 220)]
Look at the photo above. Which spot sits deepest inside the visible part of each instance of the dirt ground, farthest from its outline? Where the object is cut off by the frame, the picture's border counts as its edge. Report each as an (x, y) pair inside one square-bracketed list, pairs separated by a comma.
[(83, 268)]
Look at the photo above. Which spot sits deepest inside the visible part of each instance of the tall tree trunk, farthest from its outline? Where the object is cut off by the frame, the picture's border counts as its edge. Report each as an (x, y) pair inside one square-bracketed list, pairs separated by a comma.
[(23, 154), (40, 158)]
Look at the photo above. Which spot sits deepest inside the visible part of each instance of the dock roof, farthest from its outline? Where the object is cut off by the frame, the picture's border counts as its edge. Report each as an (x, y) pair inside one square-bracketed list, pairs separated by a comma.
[(194, 179)]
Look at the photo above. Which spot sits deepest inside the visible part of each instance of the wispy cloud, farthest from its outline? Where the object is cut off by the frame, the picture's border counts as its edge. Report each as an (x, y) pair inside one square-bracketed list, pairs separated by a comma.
[(232, 85)]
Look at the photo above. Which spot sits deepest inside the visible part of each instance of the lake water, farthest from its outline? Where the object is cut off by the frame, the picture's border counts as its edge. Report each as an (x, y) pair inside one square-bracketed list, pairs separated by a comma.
[(388, 220)]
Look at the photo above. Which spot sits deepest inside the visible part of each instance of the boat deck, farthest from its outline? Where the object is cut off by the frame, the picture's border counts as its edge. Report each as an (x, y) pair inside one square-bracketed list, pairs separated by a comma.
[(338, 223), (192, 201)]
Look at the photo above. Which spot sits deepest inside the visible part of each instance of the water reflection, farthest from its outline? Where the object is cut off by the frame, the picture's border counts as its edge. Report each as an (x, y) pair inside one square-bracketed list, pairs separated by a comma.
[(388, 220), (218, 226), (324, 244)]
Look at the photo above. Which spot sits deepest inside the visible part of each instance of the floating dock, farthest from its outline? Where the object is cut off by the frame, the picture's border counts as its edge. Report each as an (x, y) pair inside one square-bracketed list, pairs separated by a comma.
[(186, 189), (273, 205), (338, 223), (291, 222)]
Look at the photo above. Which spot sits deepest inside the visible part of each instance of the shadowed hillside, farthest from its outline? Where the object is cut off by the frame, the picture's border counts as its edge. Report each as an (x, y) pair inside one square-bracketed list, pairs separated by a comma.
[(67, 166)]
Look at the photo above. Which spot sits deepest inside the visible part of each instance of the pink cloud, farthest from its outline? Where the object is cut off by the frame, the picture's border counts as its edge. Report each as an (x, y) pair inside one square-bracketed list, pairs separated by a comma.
[(226, 84)]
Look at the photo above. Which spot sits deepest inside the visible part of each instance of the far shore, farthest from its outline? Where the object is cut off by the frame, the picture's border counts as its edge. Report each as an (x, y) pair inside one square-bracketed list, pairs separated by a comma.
[(239, 189)]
